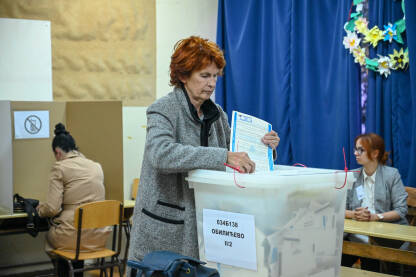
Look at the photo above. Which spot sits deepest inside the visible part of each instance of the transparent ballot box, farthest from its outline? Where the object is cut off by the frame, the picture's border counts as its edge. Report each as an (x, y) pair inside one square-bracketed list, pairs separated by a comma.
[(288, 222)]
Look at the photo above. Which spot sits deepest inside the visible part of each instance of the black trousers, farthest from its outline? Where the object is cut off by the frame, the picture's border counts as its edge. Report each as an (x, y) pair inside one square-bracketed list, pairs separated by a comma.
[(366, 263), (63, 268), (372, 264)]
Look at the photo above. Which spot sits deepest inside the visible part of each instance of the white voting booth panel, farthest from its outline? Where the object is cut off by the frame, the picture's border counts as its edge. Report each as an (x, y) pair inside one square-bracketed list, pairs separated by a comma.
[(288, 222)]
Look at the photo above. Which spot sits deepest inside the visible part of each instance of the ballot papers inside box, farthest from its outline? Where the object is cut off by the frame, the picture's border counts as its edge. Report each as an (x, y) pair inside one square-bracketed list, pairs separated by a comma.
[(287, 222)]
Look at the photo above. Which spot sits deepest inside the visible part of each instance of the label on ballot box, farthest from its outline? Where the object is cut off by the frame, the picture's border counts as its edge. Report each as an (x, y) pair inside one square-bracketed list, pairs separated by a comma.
[(230, 238)]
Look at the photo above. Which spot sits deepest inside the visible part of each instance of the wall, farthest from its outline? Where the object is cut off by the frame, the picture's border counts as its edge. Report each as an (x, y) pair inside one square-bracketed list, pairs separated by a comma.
[(26, 71), (175, 19), (101, 50), (18, 87), (6, 161)]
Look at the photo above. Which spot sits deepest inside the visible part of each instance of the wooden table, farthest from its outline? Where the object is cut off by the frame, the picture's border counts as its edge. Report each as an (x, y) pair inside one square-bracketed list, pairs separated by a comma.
[(11, 224), (128, 204), (15, 215), (380, 230), (16, 223)]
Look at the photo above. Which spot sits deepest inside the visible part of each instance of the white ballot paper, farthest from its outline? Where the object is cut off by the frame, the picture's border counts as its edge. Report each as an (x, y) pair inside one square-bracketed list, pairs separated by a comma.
[(246, 134)]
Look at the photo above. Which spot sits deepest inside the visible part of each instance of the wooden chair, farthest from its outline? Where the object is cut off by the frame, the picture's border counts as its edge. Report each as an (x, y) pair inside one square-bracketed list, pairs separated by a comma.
[(96, 215), (126, 221), (411, 203), (135, 188), (411, 212)]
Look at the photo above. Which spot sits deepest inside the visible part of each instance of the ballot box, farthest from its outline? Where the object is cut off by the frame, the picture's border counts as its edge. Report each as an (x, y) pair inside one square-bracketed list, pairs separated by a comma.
[(287, 222)]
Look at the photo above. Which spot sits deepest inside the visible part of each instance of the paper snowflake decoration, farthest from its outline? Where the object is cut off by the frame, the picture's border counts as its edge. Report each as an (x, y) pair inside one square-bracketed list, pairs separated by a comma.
[(359, 55), (390, 32), (351, 41), (373, 36), (384, 65)]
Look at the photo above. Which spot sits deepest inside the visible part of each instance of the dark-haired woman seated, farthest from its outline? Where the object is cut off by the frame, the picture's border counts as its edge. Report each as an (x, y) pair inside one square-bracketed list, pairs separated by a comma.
[(74, 180), (378, 194)]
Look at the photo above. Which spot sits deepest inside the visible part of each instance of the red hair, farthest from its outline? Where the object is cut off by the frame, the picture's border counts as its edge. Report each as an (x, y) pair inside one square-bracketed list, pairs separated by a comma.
[(192, 54), (372, 142)]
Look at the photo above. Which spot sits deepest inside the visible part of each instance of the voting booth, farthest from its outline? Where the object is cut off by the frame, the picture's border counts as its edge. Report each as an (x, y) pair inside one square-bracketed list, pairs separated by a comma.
[(287, 222), (27, 131)]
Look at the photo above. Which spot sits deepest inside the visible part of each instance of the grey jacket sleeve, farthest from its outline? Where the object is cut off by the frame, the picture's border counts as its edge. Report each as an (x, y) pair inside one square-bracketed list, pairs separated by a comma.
[(349, 199), (169, 156), (398, 195), (224, 119), (350, 204)]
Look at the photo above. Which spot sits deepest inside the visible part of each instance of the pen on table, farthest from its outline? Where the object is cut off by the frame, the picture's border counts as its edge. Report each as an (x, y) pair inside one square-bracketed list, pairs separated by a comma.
[(233, 167)]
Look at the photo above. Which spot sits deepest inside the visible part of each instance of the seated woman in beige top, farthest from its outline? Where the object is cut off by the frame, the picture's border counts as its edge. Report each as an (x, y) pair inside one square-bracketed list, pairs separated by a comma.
[(74, 180)]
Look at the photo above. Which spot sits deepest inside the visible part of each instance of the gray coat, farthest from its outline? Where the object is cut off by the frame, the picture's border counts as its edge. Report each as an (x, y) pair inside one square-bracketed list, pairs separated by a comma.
[(389, 192), (164, 214)]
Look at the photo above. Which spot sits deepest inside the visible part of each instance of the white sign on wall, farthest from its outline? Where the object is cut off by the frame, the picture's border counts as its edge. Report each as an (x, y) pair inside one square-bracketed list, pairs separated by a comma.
[(31, 124), (229, 238), (26, 60)]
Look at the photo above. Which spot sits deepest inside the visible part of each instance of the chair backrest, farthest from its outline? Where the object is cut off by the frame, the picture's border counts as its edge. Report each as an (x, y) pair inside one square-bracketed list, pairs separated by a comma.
[(411, 196), (411, 203), (98, 214), (135, 188)]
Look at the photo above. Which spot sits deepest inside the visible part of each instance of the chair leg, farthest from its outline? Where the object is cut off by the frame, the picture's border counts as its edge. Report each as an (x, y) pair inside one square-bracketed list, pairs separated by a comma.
[(55, 266), (127, 230), (101, 270), (78, 265), (112, 267), (105, 271), (71, 268)]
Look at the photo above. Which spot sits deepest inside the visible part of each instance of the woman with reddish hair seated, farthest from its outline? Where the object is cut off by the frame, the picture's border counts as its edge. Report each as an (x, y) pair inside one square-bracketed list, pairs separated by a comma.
[(378, 194)]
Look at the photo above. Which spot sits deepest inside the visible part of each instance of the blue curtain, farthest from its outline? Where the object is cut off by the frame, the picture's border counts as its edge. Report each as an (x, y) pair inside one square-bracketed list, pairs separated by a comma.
[(391, 101), (410, 175), (287, 65)]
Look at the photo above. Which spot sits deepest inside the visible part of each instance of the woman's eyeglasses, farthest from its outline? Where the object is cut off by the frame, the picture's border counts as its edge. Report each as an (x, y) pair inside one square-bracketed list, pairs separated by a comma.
[(359, 150)]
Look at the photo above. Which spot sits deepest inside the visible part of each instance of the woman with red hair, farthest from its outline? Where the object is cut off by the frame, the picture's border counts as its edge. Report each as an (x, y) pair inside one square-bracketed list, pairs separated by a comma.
[(186, 130), (378, 193)]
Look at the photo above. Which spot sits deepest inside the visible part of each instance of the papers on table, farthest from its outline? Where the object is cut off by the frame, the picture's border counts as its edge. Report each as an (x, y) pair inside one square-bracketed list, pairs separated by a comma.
[(246, 134)]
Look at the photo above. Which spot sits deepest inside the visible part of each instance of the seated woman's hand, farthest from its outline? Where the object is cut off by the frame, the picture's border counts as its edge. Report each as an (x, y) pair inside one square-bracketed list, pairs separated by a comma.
[(242, 161), (362, 214), (271, 139)]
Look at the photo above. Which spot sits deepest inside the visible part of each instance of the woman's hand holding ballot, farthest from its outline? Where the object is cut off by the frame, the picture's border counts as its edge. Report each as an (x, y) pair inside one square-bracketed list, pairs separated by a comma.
[(241, 162), (271, 139)]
